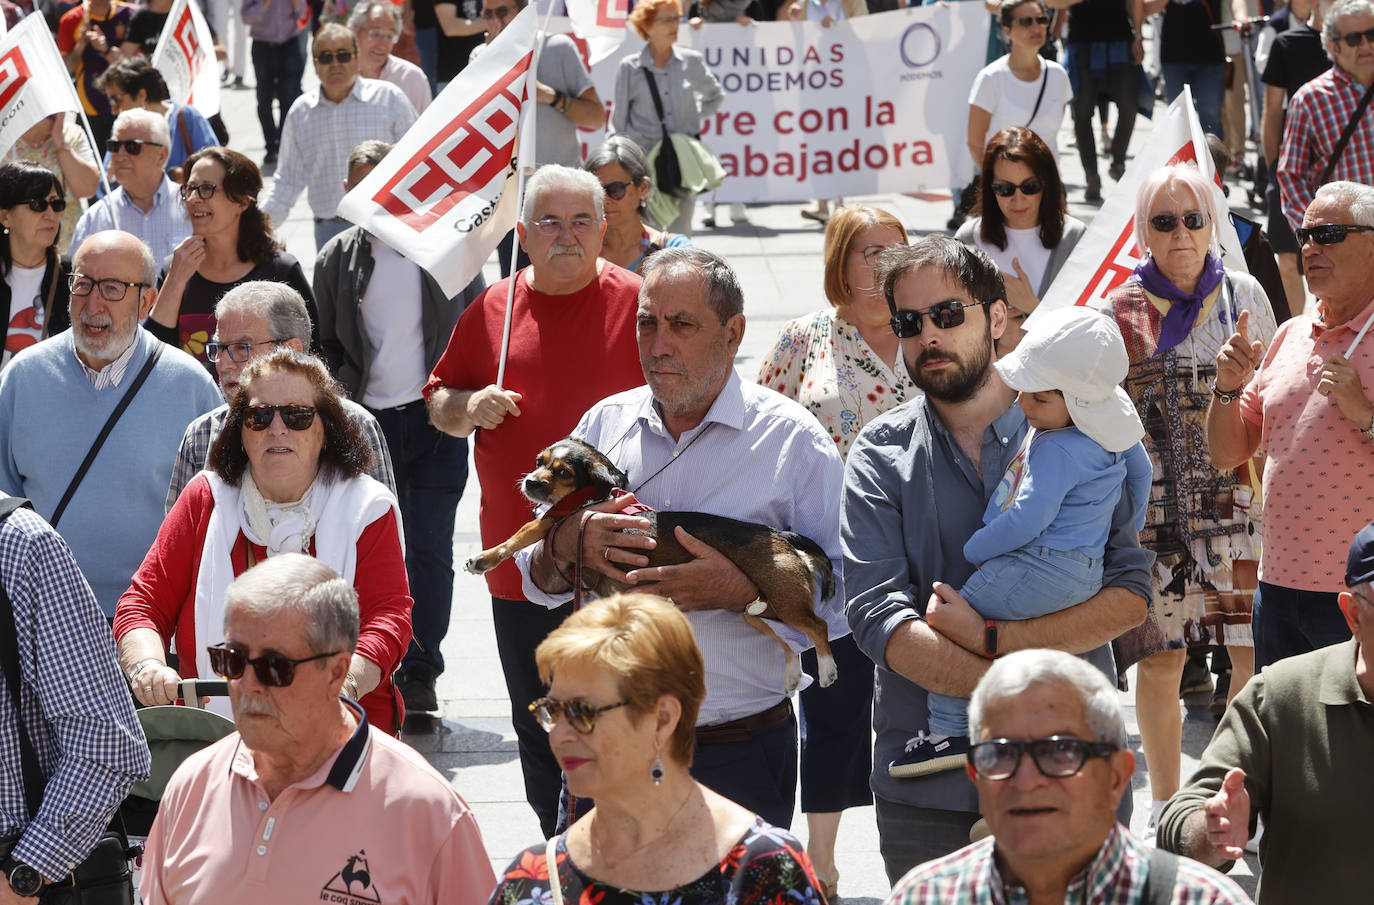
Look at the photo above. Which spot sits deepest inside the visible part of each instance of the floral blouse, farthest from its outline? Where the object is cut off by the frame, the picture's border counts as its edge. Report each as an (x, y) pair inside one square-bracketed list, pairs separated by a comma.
[(767, 866), (823, 362)]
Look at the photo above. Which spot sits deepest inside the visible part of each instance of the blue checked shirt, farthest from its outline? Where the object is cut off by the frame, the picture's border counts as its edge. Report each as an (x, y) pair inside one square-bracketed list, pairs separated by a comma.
[(161, 228), (1116, 876), (76, 707)]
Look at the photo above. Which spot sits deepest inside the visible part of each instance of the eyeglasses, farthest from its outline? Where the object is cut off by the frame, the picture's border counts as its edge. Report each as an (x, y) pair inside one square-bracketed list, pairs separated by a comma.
[(133, 145), (204, 190), (500, 12), (326, 57), (1328, 233), (273, 669), (581, 715), (945, 315), (616, 190), (237, 352), (1028, 21), (1028, 188), (1056, 757), (1165, 223), (870, 252), (111, 290), (552, 226), (295, 417), (1355, 37), (39, 205)]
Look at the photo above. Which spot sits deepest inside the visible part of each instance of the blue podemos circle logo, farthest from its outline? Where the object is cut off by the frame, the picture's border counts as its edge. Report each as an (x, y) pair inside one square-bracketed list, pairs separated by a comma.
[(920, 45)]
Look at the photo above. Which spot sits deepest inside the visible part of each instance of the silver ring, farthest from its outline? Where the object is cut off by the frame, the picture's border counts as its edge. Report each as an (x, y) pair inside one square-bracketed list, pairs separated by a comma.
[(606, 552)]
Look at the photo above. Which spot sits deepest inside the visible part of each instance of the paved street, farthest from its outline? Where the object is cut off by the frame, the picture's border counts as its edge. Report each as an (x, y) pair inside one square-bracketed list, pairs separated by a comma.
[(778, 257)]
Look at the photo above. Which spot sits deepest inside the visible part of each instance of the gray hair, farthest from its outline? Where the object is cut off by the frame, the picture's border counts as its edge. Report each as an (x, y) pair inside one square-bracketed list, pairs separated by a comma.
[(1011, 675), (153, 122), (555, 178), (280, 306), (301, 584), (626, 152), (723, 291), (1358, 199), (368, 153), (968, 266), (1331, 25), (362, 12), (1189, 177)]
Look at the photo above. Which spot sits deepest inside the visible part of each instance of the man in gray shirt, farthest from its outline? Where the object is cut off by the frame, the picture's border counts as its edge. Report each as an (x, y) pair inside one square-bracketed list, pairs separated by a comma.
[(946, 453)]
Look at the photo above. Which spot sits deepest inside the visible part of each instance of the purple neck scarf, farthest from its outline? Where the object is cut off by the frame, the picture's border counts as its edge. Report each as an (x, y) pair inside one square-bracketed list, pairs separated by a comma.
[(1184, 310)]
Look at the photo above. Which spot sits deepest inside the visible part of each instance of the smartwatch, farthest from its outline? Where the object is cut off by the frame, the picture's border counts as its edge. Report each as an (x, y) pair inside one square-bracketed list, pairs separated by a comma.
[(24, 880), (989, 639), (757, 608)]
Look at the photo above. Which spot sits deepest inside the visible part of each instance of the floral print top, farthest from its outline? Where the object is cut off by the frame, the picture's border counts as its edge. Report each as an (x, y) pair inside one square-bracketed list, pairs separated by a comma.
[(767, 866), (822, 361)]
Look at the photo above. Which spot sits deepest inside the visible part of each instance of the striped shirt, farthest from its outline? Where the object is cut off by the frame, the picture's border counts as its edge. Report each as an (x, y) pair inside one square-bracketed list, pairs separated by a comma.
[(161, 228), (76, 707), (1116, 876), (1317, 115), (113, 373)]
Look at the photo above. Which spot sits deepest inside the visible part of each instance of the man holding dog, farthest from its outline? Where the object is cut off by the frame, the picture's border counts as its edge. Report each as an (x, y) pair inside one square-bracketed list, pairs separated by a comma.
[(946, 453), (572, 342), (698, 438)]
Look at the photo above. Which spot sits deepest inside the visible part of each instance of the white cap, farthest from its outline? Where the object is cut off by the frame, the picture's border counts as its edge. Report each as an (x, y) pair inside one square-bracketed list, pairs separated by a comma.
[(1079, 352)]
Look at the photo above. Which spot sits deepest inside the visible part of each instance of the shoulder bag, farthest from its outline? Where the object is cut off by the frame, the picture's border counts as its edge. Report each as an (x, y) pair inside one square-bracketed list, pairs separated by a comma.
[(1346, 134), (667, 169)]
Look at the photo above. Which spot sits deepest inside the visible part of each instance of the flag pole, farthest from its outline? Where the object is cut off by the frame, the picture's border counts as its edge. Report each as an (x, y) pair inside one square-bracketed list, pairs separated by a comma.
[(525, 151)]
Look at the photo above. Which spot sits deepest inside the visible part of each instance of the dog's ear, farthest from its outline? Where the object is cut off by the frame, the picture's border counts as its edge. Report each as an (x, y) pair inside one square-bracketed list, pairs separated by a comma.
[(602, 472)]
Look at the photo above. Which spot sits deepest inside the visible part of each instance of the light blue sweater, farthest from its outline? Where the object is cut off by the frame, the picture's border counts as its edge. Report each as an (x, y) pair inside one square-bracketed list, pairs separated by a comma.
[(49, 416)]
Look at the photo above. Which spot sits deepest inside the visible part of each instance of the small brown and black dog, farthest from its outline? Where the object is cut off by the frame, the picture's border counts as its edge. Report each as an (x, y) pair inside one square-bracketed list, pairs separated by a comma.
[(787, 567)]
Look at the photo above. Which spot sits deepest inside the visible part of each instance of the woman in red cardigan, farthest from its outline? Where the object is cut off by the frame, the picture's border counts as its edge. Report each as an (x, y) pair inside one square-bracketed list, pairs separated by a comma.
[(287, 474)]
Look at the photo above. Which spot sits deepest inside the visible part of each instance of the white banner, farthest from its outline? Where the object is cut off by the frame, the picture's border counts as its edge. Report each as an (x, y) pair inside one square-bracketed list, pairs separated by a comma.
[(34, 82), (1107, 253), (445, 195), (185, 55), (601, 24)]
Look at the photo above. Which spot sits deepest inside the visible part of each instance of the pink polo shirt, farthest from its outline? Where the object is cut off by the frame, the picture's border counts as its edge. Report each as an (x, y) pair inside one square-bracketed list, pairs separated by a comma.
[(1319, 474), (375, 825)]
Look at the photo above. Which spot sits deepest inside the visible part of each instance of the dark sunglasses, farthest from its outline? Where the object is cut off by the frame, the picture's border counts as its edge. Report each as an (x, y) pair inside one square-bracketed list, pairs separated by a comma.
[(1165, 223), (1328, 233), (1028, 21), (326, 57), (132, 145), (273, 669), (501, 12), (1355, 37), (1028, 188), (581, 715), (1056, 757), (945, 315), (39, 205), (616, 190), (295, 417), (205, 190)]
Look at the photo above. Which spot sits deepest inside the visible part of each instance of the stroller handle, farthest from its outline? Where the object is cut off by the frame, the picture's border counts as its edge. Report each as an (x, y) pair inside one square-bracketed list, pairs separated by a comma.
[(192, 690)]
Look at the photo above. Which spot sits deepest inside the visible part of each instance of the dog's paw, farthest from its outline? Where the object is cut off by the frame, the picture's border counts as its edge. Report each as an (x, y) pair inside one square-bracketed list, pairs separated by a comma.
[(828, 673), (793, 675), (480, 564)]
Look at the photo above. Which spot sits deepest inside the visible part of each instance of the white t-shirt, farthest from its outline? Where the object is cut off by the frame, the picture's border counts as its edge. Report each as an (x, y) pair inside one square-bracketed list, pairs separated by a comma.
[(26, 309), (391, 324), (1010, 101), (1022, 244)]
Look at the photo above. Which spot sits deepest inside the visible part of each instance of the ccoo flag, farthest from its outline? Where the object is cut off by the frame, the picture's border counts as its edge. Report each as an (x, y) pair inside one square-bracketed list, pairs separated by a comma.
[(185, 55), (601, 23), (34, 82)]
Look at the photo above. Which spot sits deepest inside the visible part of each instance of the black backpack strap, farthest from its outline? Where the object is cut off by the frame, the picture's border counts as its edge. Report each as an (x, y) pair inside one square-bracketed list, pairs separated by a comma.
[(1159, 882), (9, 657)]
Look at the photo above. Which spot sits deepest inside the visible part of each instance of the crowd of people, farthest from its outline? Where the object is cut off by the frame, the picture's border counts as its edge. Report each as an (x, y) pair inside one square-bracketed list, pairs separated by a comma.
[(216, 462)]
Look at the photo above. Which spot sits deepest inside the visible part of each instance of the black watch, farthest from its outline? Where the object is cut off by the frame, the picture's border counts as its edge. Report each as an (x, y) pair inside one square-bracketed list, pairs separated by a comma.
[(24, 880), (989, 639)]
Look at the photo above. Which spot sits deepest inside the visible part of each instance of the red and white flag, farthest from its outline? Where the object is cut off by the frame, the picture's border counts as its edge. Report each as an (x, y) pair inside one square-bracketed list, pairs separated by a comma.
[(1107, 254), (34, 82), (185, 55), (446, 194), (601, 23)]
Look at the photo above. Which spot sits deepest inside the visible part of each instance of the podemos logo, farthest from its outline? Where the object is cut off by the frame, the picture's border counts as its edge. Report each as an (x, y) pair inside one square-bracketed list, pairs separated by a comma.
[(920, 46)]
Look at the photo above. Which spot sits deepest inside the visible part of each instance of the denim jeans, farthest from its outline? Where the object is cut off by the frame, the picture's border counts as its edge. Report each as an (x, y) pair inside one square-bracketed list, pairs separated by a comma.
[(1121, 86), (278, 69), (1286, 622), (1209, 87), (327, 228), (427, 42)]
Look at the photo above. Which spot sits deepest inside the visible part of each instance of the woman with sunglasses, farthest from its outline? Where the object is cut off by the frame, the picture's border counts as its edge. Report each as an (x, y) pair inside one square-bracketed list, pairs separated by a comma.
[(1175, 312), (134, 82), (624, 174), (626, 682), (231, 242), (1022, 88), (58, 144), (1021, 221), (287, 474), (34, 299)]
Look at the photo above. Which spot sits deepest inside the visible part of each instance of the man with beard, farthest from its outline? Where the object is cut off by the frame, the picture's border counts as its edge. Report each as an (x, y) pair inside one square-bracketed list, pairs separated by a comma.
[(58, 399), (700, 439), (946, 453)]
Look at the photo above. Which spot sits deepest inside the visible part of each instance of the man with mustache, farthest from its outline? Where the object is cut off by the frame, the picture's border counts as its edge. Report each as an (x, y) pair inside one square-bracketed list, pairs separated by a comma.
[(56, 396), (917, 482), (572, 342)]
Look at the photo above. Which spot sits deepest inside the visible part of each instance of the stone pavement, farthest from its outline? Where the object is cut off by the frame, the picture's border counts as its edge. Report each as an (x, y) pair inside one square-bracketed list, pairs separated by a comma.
[(778, 257)]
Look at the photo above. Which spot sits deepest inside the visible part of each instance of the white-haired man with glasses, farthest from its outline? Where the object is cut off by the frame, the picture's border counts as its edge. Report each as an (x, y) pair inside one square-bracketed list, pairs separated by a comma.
[(289, 807), (57, 398), (1050, 764), (572, 343)]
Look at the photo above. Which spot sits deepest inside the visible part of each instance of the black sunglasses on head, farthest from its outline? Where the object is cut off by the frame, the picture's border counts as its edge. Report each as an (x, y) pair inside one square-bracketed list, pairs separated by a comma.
[(327, 57), (946, 315), (581, 715), (1056, 757), (1028, 188), (1355, 37), (133, 145), (39, 205), (295, 417), (272, 669), (1328, 233), (1165, 223)]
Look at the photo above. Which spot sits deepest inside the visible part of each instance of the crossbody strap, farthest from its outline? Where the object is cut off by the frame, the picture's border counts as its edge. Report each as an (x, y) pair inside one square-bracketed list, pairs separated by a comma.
[(9, 655), (658, 103), (1041, 96), (555, 884), (1159, 882), (148, 366), (1346, 134)]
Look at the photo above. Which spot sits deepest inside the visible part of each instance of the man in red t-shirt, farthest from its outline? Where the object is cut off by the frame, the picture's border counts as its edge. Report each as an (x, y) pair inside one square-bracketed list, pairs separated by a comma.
[(89, 37), (572, 344)]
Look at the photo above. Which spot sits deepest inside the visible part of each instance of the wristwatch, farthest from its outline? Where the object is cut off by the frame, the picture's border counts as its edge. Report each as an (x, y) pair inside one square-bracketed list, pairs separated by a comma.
[(989, 639), (1369, 431), (24, 880), (1226, 398), (757, 608)]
